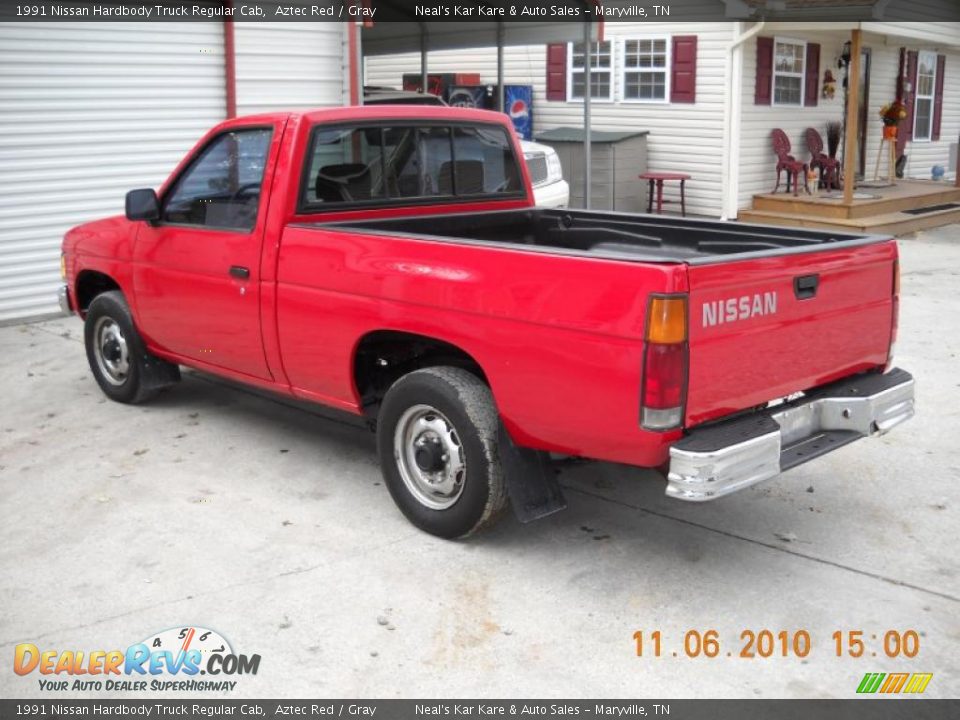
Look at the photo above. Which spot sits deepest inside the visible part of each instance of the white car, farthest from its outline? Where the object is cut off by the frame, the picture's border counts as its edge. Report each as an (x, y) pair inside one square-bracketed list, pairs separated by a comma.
[(546, 174)]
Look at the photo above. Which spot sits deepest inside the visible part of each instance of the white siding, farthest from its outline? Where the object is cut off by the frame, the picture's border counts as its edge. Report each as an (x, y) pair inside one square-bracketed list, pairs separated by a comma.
[(289, 65), (87, 112), (757, 162), (683, 137), (923, 155)]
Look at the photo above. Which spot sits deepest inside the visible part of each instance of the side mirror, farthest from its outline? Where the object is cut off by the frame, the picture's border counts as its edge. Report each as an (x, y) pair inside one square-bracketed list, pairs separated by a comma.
[(142, 205)]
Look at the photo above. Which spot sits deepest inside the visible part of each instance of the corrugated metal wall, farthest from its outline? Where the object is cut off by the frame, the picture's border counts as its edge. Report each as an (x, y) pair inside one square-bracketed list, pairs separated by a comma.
[(87, 112), (289, 65)]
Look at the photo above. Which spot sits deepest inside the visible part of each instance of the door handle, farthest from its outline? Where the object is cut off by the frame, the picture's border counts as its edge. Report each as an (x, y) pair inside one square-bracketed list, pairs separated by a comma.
[(240, 272), (805, 286)]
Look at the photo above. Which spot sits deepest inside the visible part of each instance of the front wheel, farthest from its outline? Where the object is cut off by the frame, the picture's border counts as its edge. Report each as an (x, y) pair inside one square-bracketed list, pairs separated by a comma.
[(121, 365), (437, 441)]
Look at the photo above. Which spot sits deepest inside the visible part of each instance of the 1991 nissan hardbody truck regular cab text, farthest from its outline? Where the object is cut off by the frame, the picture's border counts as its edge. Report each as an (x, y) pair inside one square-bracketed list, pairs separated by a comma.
[(388, 261)]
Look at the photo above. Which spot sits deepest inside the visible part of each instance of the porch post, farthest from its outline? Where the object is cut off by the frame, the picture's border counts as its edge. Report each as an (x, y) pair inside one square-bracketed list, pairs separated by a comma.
[(853, 115)]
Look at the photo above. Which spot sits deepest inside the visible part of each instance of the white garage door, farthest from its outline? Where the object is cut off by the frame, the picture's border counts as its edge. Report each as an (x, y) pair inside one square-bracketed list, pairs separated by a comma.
[(87, 112), (290, 66)]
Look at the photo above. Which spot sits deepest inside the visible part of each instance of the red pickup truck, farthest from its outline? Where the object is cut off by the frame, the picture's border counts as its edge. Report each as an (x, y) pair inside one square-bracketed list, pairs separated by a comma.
[(389, 262)]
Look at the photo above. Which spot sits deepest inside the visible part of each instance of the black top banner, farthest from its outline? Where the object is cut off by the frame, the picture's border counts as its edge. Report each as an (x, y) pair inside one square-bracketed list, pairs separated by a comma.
[(504, 11)]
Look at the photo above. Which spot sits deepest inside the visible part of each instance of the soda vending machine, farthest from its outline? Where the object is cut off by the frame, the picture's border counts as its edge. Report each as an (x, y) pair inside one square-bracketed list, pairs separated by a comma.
[(518, 104)]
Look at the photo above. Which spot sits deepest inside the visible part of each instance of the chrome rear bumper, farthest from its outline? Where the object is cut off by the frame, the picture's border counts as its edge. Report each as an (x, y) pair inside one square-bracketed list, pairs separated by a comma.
[(719, 459)]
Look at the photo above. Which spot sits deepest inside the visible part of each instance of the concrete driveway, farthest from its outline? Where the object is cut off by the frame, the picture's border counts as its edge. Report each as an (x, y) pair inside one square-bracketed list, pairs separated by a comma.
[(218, 508)]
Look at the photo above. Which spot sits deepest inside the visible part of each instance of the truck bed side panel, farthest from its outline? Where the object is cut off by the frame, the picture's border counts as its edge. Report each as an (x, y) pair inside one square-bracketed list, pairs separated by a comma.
[(559, 338)]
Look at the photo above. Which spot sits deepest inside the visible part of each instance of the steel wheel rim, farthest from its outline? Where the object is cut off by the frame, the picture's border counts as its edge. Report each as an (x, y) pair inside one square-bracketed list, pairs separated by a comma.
[(111, 351), (430, 457)]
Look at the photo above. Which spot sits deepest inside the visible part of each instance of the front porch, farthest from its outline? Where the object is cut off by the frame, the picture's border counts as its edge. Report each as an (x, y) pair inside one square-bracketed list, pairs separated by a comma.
[(905, 207)]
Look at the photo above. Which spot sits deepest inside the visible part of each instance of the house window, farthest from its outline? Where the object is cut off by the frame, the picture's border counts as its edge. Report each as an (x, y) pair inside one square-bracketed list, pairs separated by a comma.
[(645, 75), (926, 87), (601, 76), (788, 71)]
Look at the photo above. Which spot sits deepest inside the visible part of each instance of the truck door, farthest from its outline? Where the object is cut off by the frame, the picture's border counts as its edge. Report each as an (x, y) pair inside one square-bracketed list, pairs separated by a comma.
[(197, 269)]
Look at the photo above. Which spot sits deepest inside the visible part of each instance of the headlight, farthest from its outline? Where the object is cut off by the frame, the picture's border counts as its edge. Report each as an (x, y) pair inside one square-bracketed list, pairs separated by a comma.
[(63, 266), (554, 168)]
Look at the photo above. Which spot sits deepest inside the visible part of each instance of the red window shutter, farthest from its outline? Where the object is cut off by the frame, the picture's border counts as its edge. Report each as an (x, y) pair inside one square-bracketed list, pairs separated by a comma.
[(938, 97), (683, 74), (909, 98), (764, 90), (901, 79), (811, 90), (557, 71)]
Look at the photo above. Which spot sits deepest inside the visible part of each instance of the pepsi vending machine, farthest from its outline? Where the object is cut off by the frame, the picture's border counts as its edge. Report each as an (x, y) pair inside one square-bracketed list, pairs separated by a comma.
[(518, 101)]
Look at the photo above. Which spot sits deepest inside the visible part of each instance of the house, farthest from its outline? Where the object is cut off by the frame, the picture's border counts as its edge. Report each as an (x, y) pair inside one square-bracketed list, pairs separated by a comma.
[(90, 110), (709, 93)]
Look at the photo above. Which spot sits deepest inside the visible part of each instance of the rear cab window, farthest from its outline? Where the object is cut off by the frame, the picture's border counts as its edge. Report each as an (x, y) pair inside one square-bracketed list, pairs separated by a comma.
[(407, 163)]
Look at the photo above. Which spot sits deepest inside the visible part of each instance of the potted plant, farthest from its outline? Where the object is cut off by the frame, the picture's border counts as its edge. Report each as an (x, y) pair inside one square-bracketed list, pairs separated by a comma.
[(891, 114), (833, 138)]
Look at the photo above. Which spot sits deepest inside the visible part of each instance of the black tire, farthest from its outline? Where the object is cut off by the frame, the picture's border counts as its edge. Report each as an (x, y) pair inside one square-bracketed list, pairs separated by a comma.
[(125, 371), (465, 405)]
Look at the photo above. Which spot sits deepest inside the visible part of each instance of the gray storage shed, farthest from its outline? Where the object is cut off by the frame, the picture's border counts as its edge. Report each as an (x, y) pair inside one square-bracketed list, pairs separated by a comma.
[(618, 158)]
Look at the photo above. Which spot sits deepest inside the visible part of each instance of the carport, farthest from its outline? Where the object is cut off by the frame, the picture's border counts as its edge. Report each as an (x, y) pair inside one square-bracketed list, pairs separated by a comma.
[(399, 29)]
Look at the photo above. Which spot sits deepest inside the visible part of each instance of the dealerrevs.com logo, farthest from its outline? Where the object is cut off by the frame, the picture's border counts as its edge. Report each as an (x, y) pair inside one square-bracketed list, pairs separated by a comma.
[(174, 659)]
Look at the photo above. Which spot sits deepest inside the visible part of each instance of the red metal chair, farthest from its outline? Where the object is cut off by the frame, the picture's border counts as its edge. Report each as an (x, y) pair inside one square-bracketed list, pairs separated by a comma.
[(786, 161), (829, 167)]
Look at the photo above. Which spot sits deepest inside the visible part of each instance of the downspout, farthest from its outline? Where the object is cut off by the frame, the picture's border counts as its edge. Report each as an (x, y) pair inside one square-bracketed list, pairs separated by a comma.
[(732, 114), (230, 63)]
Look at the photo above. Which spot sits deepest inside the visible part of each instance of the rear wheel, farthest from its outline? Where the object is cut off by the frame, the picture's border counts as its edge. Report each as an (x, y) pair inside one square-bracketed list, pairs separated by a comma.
[(437, 440), (121, 365)]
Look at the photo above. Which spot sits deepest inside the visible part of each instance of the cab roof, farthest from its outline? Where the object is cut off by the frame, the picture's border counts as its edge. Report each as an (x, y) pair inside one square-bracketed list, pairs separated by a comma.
[(383, 112)]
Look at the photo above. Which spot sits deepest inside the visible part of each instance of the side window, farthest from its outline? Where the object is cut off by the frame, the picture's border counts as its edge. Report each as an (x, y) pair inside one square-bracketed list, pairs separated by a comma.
[(221, 188), (350, 165)]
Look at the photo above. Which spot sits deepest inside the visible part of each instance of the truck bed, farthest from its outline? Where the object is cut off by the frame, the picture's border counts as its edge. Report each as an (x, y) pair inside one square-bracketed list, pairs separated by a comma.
[(640, 238)]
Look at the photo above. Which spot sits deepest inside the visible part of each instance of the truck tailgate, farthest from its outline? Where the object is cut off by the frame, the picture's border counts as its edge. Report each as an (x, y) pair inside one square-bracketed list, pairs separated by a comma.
[(764, 328)]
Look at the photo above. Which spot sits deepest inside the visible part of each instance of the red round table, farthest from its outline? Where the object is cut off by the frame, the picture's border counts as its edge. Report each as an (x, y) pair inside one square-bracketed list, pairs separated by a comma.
[(656, 179)]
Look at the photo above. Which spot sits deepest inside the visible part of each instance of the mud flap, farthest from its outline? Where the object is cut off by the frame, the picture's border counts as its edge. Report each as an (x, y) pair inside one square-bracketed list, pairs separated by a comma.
[(157, 373), (531, 482)]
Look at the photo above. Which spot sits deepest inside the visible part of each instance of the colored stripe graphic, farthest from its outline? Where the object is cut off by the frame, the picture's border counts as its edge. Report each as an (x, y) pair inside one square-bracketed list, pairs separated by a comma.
[(870, 682), (918, 683), (894, 683)]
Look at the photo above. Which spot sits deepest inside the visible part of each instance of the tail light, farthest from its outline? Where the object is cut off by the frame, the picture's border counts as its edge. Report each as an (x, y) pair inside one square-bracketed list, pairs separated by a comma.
[(665, 355), (895, 321)]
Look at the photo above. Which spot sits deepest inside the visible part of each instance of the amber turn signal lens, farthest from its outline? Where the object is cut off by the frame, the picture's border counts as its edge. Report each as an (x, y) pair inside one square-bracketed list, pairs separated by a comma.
[(667, 320)]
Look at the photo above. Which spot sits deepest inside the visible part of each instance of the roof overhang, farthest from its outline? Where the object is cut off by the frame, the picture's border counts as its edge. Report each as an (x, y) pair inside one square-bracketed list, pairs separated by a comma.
[(397, 28)]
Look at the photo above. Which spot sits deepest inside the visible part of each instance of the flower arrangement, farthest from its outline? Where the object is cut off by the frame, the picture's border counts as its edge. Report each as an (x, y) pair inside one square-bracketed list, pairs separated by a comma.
[(893, 112)]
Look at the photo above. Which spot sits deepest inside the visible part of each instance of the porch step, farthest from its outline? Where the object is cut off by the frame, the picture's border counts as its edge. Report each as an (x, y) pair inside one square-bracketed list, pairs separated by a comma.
[(894, 223), (906, 195)]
